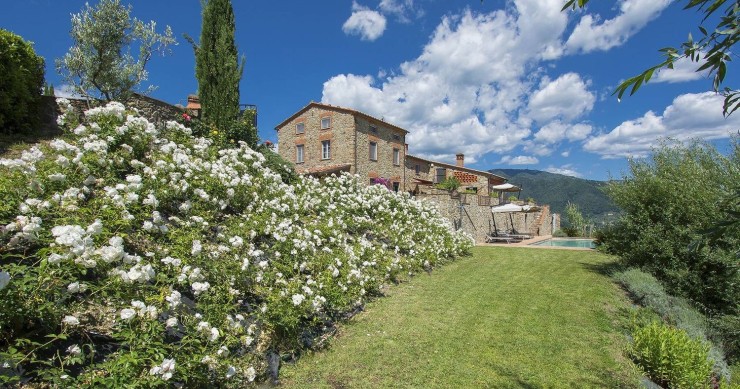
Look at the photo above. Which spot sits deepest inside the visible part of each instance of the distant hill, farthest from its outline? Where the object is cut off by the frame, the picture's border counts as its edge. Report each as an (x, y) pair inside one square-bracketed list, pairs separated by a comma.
[(557, 189)]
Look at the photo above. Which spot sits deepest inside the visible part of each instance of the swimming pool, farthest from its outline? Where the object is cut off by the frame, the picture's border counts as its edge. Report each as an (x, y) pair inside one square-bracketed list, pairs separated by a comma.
[(567, 242)]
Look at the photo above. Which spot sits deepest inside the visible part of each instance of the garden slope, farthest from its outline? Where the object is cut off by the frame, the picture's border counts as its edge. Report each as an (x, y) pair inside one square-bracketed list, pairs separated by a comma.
[(507, 317), (132, 255)]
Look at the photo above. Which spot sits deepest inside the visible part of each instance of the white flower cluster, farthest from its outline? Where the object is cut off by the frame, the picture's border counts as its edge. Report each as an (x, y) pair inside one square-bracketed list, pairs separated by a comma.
[(165, 370), (169, 237)]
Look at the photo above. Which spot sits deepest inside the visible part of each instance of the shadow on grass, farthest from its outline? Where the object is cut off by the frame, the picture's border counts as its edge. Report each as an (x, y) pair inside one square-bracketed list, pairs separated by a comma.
[(12, 144), (605, 268)]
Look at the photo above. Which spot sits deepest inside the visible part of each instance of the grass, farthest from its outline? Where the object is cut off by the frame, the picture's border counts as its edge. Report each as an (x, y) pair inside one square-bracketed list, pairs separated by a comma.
[(506, 317), (12, 145)]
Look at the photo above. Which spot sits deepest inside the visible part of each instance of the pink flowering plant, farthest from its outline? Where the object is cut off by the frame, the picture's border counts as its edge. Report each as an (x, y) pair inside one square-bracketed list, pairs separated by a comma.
[(136, 254)]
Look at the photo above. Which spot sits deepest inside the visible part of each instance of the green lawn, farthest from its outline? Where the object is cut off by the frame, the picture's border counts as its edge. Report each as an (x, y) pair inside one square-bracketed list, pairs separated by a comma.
[(505, 317)]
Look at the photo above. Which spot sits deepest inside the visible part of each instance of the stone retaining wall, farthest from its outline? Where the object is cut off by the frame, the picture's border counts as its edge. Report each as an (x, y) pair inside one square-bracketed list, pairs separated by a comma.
[(466, 214), (156, 111)]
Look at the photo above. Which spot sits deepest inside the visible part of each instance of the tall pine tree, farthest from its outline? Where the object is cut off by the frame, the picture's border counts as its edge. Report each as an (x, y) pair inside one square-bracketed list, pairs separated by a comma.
[(217, 65)]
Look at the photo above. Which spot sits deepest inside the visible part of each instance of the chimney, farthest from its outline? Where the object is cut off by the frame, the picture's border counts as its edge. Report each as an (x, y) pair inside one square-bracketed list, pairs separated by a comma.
[(460, 160), (406, 148)]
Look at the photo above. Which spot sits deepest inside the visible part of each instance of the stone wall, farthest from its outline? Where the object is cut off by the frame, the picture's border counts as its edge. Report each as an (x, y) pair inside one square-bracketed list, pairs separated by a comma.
[(387, 140), (341, 134), (156, 111), (467, 214), (427, 170)]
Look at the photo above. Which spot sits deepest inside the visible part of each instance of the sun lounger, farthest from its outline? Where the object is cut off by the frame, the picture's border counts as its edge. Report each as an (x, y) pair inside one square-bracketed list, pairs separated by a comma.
[(499, 239), (499, 236)]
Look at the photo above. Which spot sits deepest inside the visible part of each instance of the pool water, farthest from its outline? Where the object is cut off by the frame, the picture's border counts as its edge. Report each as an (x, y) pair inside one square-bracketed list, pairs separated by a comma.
[(567, 242)]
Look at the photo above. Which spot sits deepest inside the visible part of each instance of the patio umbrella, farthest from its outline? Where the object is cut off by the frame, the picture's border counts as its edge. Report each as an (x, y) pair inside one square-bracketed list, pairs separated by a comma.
[(506, 208), (505, 188), (511, 208)]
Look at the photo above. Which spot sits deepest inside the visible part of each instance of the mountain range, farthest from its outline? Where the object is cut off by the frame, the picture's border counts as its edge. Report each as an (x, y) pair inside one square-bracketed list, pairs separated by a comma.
[(557, 190)]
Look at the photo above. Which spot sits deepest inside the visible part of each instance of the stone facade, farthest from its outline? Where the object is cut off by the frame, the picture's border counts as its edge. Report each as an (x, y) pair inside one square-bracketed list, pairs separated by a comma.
[(349, 134), (372, 148), (421, 172), (468, 214)]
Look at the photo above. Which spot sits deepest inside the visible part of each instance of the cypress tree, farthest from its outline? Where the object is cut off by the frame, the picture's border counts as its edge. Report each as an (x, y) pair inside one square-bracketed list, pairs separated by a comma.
[(217, 66)]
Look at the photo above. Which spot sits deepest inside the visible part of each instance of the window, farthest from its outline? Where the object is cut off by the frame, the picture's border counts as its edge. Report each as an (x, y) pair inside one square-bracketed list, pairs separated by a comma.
[(441, 175), (373, 151), (374, 129), (396, 157), (299, 154), (300, 128), (325, 123), (417, 168), (325, 149), (396, 137), (396, 186)]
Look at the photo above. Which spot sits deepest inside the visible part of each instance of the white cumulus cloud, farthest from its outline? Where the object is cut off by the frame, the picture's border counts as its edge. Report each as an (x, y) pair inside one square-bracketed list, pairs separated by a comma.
[(566, 170), (592, 34), (558, 131), (691, 115), (67, 91), (467, 90), (684, 69), (366, 23), (402, 9), (518, 160), (567, 97)]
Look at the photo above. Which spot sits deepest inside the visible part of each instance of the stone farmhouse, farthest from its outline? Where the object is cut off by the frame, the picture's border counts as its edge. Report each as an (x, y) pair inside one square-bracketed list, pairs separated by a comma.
[(322, 139)]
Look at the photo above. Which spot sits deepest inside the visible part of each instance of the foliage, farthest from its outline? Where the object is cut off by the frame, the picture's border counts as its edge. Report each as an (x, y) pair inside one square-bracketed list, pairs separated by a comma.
[(48, 89), (647, 291), (559, 234), (644, 289), (670, 357), (21, 78), (279, 165), (726, 329), (668, 201), (576, 221), (450, 184), (217, 66), (557, 190), (384, 182), (100, 64), (136, 254), (712, 52)]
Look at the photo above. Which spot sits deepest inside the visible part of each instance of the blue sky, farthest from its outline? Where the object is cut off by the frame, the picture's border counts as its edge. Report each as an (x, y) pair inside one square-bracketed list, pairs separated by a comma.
[(512, 84)]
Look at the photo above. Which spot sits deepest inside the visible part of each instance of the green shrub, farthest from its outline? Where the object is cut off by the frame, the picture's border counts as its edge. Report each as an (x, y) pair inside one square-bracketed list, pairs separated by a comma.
[(559, 234), (450, 183), (132, 253), (726, 331), (647, 291), (670, 357), (665, 210), (21, 79), (279, 165), (644, 289)]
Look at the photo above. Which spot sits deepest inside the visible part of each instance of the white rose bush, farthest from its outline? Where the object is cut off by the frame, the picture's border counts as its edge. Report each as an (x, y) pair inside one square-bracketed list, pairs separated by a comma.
[(145, 256)]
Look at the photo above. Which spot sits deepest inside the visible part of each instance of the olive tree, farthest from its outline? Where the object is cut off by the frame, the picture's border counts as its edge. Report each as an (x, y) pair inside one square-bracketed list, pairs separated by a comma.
[(100, 63), (669, 202)]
